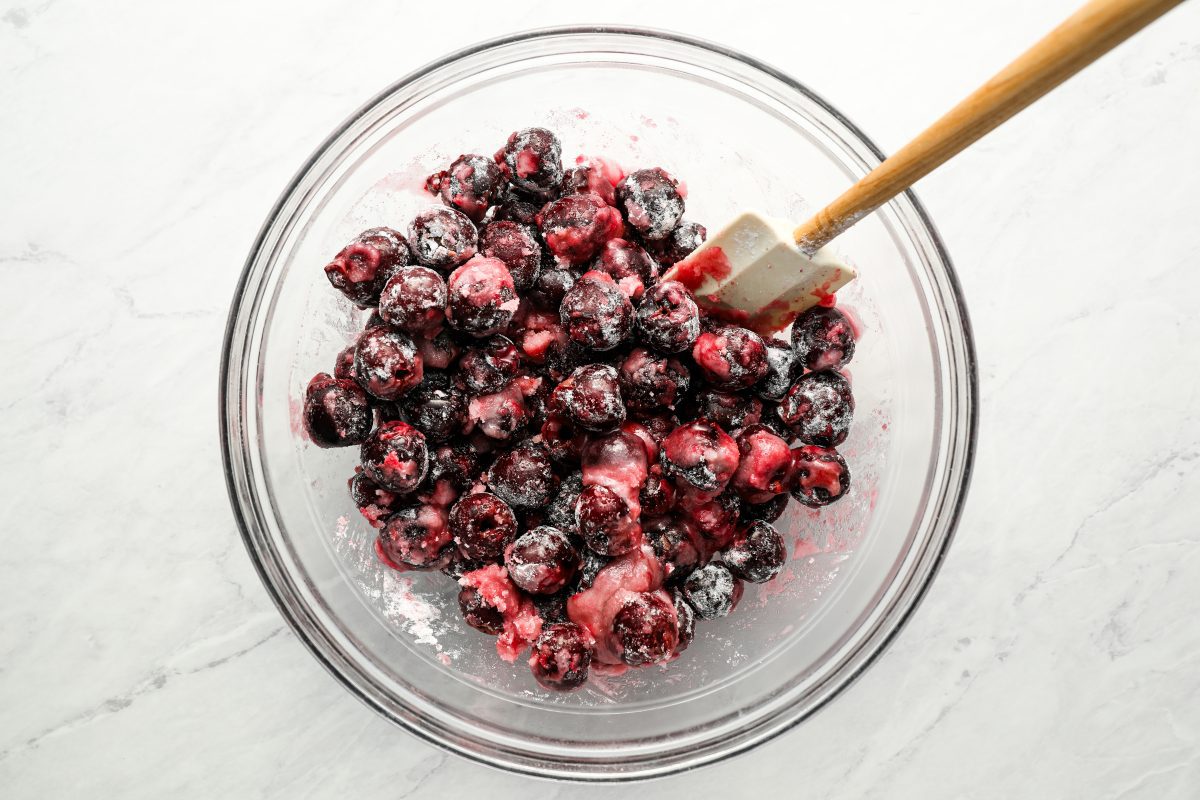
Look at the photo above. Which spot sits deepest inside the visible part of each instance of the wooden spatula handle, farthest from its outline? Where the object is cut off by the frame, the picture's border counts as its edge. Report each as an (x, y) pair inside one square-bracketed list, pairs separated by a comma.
[(1085, 36)]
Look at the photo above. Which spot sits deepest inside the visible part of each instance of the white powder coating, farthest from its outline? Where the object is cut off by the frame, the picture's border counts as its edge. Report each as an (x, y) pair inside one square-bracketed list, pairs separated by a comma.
[(445, 236), (491, 412), (386, 361), (778, 380), (596, 312), (652, 201), (402, 599), (591, 396), (538, 547), (710, 590), (520, 477), (406, 609)]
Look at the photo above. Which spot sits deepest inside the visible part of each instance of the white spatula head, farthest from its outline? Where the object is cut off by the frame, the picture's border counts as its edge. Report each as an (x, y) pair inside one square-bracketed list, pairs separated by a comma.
[(751, 273)]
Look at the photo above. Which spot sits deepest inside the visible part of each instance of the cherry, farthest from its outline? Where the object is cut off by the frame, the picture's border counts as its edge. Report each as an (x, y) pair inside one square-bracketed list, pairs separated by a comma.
[(701, 456), (781, 371), (757, 554), (552, 284), (532, 161), (731, 357), (517, 246), (650, 382), (674, 541), (337, 412), (561, 656), (686, 618), (823, 338), (820, 475), (437, 407), (395, 456), (514, 206), (343, 367), (765, 465), (523, 476), (591, 398), (374, 502), (478, 613), (729, 410), (618, 462), (576, 226), (536, 332), (482, 525), (560, 513), (819, 408), (604, 521), (362, 267), (668, 318), (386, 363), (443, 237), (650, 201), (595, 175), (629, 265), (414, 300), (482, 298), (678, 244), (541, 560), (499, 415), (657, 495), (520, 621), (562, 439), (646, 628), (453, 468), (596, 314), (417, 537), (715, 520), (490, 365), (470, 184), (712, 591)]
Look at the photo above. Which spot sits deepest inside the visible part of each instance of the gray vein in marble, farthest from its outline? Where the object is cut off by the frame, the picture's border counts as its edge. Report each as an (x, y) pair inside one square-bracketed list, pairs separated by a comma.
[(118, 703), (1151, 472), (422, 776)]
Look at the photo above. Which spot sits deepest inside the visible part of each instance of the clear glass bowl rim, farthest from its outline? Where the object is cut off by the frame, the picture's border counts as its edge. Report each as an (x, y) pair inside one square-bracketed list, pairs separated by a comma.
[(246, 506)]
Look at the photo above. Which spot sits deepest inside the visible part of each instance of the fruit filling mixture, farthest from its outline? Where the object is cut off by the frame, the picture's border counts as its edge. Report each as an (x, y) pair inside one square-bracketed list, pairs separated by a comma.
[(548, 422)]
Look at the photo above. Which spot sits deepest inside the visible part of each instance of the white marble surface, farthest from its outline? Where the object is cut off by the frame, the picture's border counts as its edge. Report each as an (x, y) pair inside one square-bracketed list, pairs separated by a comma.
[(142, 143)]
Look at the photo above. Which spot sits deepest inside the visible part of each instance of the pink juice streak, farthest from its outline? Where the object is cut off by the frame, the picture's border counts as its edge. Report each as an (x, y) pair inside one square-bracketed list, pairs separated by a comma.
[(618, 462), (522, 624), (615, 584), (709, 263)]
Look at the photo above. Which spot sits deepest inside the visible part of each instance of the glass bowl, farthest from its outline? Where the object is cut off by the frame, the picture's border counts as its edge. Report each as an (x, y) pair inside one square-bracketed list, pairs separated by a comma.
[(740, 134)]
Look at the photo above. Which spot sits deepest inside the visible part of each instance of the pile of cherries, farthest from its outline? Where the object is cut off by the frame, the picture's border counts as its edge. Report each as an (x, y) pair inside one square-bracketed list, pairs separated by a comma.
[(548, 421)]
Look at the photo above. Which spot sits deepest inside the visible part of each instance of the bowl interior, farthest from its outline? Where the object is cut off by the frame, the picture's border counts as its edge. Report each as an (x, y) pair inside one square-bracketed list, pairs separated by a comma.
[(738, 137)]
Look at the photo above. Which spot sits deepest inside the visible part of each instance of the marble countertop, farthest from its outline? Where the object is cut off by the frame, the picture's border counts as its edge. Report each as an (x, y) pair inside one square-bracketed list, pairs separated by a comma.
[(141, 145)]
